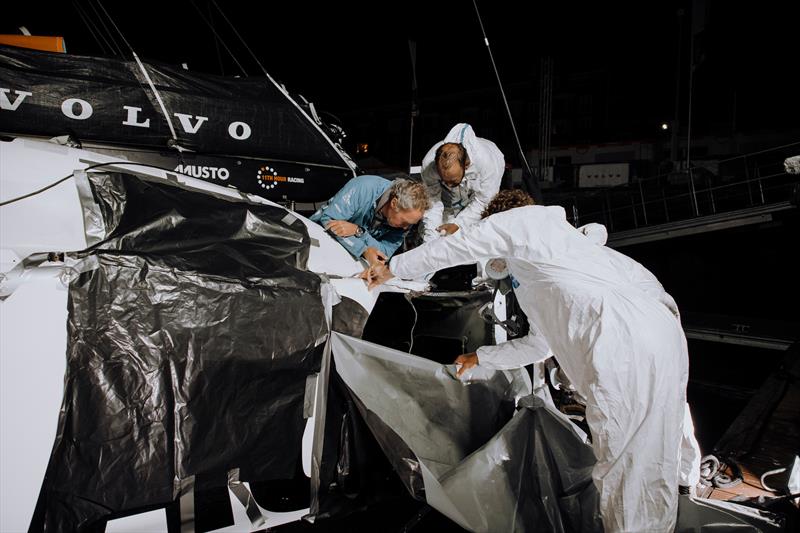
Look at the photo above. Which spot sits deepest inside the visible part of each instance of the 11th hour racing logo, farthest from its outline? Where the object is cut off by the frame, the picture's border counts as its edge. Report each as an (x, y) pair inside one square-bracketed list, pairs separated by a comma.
[(268, 178)]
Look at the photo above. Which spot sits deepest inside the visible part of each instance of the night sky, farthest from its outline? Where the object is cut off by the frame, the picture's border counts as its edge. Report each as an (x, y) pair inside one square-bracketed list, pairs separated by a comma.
[(348, 56)]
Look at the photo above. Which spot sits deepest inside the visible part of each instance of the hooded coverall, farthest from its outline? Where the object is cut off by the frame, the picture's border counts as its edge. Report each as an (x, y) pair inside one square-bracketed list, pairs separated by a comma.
[(464, 203), (617, 336)]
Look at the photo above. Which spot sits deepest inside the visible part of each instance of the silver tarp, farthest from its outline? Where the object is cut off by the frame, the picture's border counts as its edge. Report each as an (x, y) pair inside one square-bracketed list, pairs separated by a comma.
[(461, 447), (465, 449)]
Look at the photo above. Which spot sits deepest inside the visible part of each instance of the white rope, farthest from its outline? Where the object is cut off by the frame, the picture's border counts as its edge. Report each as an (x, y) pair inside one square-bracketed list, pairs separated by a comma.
[(158, 97), (146, 77)]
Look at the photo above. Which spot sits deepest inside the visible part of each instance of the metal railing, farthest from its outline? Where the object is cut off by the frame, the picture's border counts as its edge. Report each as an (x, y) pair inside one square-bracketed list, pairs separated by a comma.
[(745, 181)]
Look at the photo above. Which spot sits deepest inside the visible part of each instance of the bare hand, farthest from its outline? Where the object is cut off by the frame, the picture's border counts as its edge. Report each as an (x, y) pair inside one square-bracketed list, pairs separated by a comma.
[(375, 275), (448, 229), (374, 256), (342, 228), (467, 361)]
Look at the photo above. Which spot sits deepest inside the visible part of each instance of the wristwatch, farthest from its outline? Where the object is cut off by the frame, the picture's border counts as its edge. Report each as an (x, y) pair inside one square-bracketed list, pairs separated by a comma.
[(360, 232)]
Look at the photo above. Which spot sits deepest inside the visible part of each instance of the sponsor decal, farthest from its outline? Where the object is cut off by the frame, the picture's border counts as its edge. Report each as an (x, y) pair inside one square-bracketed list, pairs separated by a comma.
[(80, 109), (207, 173), (268, 178)]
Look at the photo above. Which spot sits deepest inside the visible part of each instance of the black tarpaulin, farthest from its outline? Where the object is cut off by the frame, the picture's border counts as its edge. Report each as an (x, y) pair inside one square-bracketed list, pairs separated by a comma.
[(125, 214), (189, 345)]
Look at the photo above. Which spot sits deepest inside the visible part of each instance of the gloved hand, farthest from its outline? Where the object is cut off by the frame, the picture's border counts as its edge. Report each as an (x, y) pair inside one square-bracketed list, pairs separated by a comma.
[(467, 361)]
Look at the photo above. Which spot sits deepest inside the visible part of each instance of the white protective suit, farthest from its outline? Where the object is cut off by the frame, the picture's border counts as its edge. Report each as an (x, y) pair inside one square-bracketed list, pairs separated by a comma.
[(617, 336), (464, 204)]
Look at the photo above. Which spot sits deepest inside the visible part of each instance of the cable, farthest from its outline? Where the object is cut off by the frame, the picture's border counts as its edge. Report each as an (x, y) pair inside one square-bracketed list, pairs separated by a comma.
[(409, 296), (146, 76), (724, 480), (593, 214), (505, 100), (758, 152), (216, 44), (240, 38), (124, 40), (95, 32), (34, 193), (412, 49), (770, 473), (87, 20), (696, 167), (103, 24), (158, 99), (91, 167), (222, 42)]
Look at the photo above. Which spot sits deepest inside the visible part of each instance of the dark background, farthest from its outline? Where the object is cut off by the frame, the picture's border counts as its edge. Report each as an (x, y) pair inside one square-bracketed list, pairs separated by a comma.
[(352, 59)]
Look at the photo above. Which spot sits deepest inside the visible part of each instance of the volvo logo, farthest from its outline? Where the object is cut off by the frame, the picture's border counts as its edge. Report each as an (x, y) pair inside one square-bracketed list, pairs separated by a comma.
[(80, 109)]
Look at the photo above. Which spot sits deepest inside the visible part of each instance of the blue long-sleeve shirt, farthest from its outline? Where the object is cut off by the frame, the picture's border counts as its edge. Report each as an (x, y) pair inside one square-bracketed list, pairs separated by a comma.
[(356, 202)]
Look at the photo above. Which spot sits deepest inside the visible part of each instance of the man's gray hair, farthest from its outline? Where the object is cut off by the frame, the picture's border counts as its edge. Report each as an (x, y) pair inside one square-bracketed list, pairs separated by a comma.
[(410, 195)]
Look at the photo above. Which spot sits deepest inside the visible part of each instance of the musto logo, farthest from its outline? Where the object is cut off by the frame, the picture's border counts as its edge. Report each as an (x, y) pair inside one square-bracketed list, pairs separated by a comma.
[(213, 173), (268, 178)]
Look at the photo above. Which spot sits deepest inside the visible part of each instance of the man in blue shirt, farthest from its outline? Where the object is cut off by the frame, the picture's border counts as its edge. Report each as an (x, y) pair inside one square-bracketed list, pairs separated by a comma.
[(371, 215)]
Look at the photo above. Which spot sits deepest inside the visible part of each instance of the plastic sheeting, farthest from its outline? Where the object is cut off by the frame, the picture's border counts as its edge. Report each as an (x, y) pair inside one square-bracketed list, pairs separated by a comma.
[(189, 346), (194, 230), (350, 471), (460, 446)]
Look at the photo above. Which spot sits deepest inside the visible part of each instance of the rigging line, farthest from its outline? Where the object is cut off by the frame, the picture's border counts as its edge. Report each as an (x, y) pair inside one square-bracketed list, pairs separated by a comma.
[(503, 93), (240, 38), (146, 77), (158, 98), (124, 40), (758, 152), (92, 30), (104, 48), (102, 30), (412, 49), (686, 194), (105, 28), (222, 42), (216, 43)]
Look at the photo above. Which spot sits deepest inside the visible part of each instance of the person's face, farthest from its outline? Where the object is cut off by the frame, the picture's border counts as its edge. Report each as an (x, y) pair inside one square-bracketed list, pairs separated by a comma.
[(452, 176), (401, 218)]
